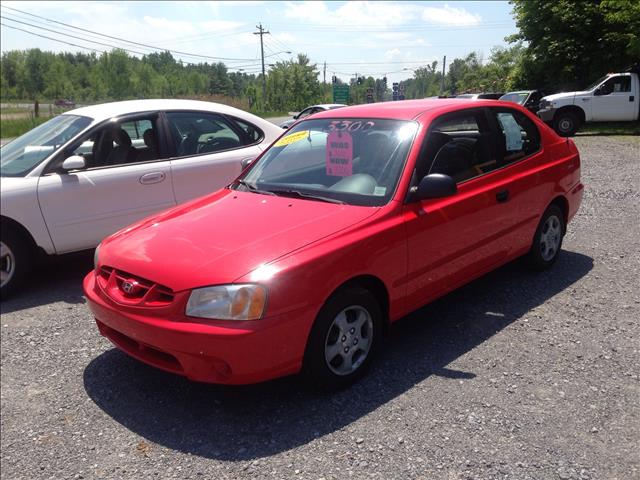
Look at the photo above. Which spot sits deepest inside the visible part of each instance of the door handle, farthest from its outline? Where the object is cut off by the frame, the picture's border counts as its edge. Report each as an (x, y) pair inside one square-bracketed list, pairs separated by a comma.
[(502, 196), (585, 99), (153, 177)]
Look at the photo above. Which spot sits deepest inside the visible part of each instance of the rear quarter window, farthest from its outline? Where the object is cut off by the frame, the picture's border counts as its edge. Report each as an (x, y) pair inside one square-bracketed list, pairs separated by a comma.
[(518, 136)]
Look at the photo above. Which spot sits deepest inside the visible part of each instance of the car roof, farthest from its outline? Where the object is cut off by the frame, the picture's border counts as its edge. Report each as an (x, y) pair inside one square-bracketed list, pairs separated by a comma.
[(403, 109), (105, 111), (328, 105)]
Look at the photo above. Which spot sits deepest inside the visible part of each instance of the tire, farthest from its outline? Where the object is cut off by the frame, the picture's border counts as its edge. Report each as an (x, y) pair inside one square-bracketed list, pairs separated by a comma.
[(15, 261), (547, 241), (345, 337), (566, 124)]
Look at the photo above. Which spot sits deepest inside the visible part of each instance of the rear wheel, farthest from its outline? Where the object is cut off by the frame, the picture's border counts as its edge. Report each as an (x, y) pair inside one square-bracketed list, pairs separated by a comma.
[(547, 240), (15, 261), (343, 340)]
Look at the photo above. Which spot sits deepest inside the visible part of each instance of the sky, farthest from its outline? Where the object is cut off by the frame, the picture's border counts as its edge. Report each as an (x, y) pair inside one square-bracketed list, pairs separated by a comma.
[(364, 38)]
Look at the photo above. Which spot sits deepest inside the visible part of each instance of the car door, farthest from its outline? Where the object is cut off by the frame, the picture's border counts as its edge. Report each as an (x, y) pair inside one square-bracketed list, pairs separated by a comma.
[(126, 178), (453, 239), (613, 101), (208, 150)]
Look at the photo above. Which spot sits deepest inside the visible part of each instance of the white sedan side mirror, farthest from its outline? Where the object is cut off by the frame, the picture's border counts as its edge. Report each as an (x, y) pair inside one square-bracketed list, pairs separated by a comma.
[(74, 162)]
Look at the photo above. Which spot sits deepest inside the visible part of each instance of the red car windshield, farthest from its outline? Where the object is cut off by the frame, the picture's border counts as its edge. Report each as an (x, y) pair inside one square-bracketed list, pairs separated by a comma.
[(355, 161)]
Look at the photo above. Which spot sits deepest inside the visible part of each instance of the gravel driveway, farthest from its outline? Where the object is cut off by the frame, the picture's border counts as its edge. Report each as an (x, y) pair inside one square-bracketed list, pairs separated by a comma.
[(515, 376)]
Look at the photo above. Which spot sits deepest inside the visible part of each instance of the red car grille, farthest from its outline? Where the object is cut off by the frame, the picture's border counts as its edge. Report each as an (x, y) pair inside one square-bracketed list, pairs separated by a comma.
[(132, 290)]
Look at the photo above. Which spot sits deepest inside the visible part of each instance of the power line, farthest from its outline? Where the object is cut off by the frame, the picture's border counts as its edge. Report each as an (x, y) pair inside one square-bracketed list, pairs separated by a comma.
[(54, 39), (128, 41), (68, 35)]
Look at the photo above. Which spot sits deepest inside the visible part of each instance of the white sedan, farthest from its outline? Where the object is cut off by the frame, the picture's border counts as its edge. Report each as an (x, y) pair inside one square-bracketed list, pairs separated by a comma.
[(91, 171)]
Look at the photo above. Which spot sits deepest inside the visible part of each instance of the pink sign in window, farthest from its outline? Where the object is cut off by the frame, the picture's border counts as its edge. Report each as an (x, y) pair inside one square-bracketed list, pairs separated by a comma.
[(339, 154)]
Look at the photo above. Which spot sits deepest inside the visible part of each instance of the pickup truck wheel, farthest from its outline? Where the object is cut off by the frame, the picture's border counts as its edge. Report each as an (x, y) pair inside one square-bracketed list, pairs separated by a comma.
[(15, 262), (566, 124)]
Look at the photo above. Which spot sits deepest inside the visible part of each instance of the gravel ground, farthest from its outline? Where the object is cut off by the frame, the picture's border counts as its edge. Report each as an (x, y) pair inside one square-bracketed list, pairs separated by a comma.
[(515, 376)]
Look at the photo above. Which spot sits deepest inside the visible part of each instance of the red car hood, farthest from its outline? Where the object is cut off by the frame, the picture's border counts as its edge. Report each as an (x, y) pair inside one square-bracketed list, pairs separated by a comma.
[(221, 237)]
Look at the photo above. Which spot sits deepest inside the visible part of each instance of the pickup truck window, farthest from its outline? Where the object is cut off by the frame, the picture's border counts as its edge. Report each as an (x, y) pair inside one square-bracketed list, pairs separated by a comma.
[(616, 84)]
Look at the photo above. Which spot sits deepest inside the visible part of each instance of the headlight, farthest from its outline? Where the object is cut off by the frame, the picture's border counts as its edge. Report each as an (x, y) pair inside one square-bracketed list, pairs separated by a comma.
[(96, 255), (228, 302)]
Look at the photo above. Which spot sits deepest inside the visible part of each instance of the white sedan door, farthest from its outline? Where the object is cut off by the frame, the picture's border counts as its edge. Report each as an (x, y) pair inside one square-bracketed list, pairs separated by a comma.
[(123, 182), (209, 150)]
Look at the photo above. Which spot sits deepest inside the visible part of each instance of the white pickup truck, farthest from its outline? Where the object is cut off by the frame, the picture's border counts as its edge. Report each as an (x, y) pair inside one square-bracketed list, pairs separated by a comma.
[(613, 98)]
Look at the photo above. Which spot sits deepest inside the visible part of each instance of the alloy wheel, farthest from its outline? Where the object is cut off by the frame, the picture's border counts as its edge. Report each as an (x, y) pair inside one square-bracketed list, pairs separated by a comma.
[(550, 237), (7, 264), (348, 340)]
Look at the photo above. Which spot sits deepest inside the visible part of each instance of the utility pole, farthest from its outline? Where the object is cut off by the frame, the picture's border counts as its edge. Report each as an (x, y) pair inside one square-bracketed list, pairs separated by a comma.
[(444, 64), (324, 73), (261, 31)]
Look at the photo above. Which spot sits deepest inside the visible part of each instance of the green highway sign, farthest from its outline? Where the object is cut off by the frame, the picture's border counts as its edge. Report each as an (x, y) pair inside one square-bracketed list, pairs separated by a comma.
[(341, 94)]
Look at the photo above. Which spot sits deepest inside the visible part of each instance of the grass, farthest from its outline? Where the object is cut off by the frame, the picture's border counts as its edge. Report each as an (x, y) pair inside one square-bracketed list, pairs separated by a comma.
[(610, 128), (13, 110), (16, 127)]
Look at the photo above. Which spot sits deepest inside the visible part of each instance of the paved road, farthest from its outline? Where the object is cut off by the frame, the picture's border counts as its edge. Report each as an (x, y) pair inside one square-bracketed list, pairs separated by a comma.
[(516, 376), (277, 120)]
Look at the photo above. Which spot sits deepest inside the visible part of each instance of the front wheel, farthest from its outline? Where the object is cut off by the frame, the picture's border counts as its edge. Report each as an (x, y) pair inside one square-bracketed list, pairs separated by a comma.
[(547, 240), (566, 124), (15, 262), (343, 340)]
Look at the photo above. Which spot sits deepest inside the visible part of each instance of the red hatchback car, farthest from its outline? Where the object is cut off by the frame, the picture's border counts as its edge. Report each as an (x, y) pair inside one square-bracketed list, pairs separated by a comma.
[(351, 220)]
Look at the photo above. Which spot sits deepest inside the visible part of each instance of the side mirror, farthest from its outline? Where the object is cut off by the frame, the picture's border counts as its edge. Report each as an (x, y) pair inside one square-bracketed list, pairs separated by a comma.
[(436, 185), (74, 162), (295, 117), (599, 91), (245, 162)]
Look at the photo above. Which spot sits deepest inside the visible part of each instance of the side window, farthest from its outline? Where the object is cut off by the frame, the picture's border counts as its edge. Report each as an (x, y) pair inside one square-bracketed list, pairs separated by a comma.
[(305, 113), (197, 133), (119, 143), (519, 136), (253, 133), (619, 84), (459, 145)]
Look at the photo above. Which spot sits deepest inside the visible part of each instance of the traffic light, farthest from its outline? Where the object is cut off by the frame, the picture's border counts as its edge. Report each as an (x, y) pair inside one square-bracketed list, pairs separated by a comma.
[(360, 80), (401, 92), (395, 91), (369, 95), (334, 79)]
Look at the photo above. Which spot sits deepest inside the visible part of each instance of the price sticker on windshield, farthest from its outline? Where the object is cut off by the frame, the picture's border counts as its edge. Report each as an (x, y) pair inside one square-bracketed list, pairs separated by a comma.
[(339, 154), (294, 137)]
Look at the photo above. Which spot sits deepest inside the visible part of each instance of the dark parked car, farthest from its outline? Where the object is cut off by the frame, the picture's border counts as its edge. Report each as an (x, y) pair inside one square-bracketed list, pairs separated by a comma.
[(529, 99), (64, 103)]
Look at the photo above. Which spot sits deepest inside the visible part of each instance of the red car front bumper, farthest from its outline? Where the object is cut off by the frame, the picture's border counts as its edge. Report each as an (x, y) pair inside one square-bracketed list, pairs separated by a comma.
[(228, 352)]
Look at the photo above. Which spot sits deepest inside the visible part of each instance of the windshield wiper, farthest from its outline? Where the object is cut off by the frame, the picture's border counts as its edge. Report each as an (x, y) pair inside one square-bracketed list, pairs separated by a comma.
[(253, 188), (310, 196)]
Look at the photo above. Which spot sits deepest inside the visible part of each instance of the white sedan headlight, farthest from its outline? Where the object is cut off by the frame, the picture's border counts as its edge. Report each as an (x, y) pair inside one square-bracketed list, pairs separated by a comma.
[(96, 256), (228, 302)]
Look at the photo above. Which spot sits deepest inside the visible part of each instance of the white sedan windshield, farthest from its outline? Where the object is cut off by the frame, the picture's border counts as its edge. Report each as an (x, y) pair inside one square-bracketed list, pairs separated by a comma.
[(356, 161), (20, 156)]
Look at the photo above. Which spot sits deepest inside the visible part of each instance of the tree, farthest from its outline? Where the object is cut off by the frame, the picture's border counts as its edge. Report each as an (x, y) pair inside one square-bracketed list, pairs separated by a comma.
[(571, 42), (35, 69)]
